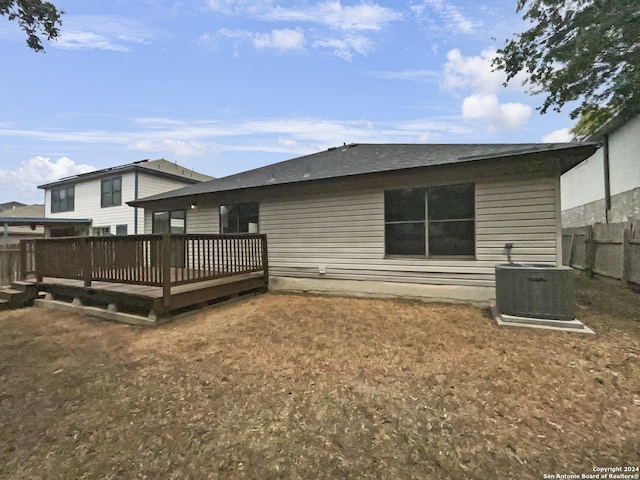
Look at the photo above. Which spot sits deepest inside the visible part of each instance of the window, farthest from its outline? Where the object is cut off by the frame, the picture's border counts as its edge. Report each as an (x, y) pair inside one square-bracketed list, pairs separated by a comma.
[(62, 199), (101, 231), (121, 229), (239, 218), (111, 192), (172, 221), (433, 221)]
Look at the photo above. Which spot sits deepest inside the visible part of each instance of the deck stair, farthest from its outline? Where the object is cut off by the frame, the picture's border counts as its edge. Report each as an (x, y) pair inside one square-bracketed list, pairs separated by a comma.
[(19, 294)]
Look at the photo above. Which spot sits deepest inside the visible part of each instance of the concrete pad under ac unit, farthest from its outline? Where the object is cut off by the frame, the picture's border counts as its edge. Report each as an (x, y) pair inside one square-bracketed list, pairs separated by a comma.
[(543, 323)]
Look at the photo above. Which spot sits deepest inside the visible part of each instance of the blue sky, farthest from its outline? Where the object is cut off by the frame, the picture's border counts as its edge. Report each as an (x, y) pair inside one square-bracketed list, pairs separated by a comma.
[(222, 86)]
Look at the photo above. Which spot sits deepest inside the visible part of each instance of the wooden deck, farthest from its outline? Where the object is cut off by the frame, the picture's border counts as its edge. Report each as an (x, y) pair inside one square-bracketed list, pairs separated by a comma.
[(145, 300), (151, 276)]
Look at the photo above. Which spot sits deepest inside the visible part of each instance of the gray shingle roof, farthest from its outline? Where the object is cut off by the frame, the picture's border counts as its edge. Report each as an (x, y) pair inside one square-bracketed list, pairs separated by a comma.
[(360, 159), (155, 167)]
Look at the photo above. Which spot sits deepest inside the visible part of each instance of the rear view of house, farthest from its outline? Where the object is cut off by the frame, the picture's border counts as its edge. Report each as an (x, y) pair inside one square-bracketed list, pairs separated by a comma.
[(101, 196), (412, 220)]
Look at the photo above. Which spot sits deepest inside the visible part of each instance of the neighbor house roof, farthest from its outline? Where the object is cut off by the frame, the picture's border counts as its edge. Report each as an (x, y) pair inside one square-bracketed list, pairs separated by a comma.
[(360, 159), (30, 211), (34, 215), (159, 167), (10, 205)]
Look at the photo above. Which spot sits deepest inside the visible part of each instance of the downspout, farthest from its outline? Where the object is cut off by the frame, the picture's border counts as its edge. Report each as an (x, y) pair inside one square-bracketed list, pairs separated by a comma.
[(607, 183), (135, 197), (5, 235)]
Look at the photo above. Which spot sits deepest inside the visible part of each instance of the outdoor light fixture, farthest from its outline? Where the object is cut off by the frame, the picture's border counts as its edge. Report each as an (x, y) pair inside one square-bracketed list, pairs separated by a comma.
[(193, 205)]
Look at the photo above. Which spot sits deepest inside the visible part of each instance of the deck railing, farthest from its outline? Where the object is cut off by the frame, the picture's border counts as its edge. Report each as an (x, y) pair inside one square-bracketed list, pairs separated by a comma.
[(155, 260)]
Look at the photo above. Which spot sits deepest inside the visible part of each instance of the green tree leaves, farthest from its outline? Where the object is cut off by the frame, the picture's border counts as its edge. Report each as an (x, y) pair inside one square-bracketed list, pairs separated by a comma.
[(579, 50), (35, 17)]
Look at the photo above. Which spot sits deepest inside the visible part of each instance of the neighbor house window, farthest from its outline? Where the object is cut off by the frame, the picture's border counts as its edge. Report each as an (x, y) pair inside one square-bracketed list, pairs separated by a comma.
[(121, 230), (432, 221), (173, 221), (62, 199), (111, 191), (239, 218), (101, 231)]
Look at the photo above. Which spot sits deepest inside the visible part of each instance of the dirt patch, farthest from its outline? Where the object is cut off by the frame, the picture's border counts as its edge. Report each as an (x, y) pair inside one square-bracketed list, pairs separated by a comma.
[(288, 386)]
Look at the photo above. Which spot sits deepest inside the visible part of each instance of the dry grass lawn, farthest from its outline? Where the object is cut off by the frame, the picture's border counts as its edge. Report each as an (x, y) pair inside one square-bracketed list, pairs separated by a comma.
[(288, 386)]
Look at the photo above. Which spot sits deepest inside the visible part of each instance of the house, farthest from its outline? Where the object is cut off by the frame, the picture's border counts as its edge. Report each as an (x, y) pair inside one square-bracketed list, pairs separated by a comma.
[(10, 206), (13, 227), (101, 196), (606, 187), (411, 220)]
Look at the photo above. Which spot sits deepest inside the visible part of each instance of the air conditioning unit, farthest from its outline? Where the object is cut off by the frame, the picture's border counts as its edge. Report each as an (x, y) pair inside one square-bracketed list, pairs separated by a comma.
[(535, 291)]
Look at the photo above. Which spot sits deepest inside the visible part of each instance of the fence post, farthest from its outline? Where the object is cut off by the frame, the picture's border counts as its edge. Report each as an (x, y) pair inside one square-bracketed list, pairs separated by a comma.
[(590, 251), (166, 270), (626, 255), (38, 262), (265, 260), (86, 260), (23, 260)]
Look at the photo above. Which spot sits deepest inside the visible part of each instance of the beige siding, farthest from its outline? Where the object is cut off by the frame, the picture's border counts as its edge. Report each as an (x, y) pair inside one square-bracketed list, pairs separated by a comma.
[(87, 201), (203, 220), (87, 204), (344, 232), (151, 185)]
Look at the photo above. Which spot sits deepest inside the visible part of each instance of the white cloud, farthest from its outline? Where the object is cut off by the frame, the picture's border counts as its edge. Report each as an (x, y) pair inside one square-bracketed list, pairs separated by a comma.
[(337, 16), (283, 39), (410, 75), (188, 139), (237, 6), (345, 47), (365, 16), (451, 15), (487, 108), (471, 72), (102, 32), (87, 41), (177, 148), (331, 15), (561, 135), (474, 75), (38, 170)]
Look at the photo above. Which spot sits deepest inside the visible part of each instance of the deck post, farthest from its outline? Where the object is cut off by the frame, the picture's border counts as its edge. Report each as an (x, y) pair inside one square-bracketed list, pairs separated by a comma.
[(166, 270), (23, 260), (37, 267), (265, 260), (86, 261)]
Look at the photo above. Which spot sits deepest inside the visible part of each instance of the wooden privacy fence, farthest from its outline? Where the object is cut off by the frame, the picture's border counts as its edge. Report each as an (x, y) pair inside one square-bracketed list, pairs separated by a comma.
[(611, 250), (155, 260), (9, 264)]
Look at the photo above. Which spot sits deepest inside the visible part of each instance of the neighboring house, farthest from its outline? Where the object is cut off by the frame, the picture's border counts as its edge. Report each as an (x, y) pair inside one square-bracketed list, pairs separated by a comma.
[(606, 187), (28, 222), (101, 195), (398, 220), (12, 234), (10, 206)]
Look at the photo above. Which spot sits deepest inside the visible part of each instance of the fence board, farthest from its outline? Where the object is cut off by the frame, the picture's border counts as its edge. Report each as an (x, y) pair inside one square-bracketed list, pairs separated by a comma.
[(611, 250), (9, 264)]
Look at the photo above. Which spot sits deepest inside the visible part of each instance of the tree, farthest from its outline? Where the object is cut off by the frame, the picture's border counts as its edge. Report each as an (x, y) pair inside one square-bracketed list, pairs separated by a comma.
[(35, 18), (578, 50)]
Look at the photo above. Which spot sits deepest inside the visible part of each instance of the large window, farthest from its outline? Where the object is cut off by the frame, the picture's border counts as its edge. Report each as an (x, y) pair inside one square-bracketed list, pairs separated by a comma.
[(62, 199), (239, 218), (434, 221), (169, 222), (111, 192)]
